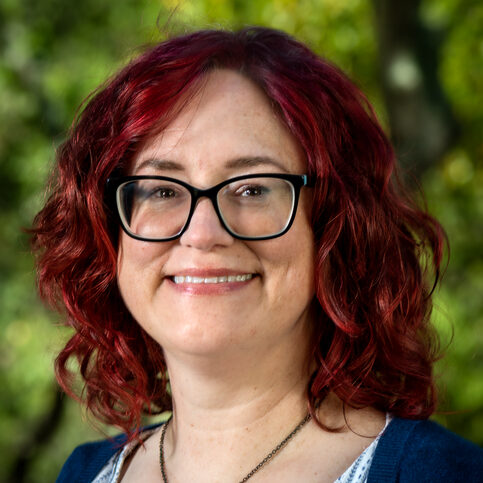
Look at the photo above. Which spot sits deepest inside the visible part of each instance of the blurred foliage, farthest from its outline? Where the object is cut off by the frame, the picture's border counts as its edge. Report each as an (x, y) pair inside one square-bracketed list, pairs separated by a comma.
[(55, 52)]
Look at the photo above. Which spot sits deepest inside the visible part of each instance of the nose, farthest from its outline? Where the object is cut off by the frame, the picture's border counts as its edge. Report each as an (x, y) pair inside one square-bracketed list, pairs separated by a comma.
[(205, 230)]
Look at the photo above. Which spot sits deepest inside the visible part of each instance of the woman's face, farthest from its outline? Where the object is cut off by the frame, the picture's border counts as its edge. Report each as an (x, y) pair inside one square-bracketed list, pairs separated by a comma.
[(228, 130)]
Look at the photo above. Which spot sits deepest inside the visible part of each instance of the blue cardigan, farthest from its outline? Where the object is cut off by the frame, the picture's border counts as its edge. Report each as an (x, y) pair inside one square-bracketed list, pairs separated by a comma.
[(408, 451)]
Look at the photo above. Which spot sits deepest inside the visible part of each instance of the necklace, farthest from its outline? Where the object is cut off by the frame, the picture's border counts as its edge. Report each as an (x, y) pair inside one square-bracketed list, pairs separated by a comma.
[(262, 463)]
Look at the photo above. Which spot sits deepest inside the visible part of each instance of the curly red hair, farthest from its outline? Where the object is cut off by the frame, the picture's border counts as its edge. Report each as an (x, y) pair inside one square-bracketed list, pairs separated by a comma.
[(375, 248)]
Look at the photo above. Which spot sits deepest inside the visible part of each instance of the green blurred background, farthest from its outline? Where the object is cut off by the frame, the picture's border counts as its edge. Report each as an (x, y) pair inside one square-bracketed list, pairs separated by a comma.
[(419, 61)]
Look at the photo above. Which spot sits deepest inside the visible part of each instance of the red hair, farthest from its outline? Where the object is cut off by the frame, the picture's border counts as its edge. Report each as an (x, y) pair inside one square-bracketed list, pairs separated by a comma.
[(373, 342)]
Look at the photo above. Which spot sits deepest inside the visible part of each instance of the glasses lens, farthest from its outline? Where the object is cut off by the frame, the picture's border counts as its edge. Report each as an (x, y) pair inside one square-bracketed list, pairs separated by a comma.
[(257, 207), (152, 208)]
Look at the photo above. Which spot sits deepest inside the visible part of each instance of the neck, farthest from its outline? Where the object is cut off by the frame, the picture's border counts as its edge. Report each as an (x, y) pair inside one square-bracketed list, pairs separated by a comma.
[(237, 406), (239, 385)]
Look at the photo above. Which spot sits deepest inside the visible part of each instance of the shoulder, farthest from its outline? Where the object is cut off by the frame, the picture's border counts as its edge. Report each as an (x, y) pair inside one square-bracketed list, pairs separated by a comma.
[(424, 451), (88, 459)]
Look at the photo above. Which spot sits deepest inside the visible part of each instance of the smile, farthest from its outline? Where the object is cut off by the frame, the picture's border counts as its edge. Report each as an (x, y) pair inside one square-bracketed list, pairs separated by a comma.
[(223, 279)]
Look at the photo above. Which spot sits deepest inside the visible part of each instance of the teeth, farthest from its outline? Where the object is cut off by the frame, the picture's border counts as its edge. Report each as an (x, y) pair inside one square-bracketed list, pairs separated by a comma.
[(222, 279)]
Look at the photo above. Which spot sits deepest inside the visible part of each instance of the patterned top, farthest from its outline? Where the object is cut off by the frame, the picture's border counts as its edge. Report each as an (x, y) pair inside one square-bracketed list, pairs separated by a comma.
[(357, 472)]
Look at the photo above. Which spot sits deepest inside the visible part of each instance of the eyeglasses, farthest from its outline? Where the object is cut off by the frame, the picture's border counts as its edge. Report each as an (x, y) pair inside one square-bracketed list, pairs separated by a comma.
[(251, 207)]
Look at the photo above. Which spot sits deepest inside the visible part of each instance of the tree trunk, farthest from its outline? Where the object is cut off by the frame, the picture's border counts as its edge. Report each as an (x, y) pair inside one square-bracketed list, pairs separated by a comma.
[(421, 121)]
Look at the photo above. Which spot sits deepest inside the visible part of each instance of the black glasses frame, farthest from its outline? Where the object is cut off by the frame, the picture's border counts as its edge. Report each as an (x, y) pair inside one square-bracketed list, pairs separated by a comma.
[(297, 180)]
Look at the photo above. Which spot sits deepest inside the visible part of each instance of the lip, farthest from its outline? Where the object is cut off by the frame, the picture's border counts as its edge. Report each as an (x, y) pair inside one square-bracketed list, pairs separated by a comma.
[(219, 288), (208, 272)]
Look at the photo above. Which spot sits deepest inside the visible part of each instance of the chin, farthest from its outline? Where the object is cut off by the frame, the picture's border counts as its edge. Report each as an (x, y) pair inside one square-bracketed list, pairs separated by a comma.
[(201, 335)]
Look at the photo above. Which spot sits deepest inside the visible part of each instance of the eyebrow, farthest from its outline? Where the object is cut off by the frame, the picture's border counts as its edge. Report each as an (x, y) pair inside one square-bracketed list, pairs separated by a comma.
[(160, 165), (235, 163), (254, 161)]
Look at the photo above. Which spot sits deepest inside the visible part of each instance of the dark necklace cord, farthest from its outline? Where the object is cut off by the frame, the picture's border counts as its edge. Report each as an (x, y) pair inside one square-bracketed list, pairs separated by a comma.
[(260, 465), (161, 449)]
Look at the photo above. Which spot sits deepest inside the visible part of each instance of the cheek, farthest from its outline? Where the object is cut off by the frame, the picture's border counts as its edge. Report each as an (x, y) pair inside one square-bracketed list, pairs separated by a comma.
[(299, 249), (139, 270), (288, 262)]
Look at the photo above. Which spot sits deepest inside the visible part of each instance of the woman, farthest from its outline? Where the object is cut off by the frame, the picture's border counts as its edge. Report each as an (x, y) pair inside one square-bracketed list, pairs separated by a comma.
[(225, 218)]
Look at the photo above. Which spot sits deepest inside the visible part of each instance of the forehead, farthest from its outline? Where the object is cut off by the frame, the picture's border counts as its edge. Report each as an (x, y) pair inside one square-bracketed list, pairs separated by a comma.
[(229, 118)]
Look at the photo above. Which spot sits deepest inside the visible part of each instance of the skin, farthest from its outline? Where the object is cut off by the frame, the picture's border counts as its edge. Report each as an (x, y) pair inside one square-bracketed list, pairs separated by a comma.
[(236, 353)]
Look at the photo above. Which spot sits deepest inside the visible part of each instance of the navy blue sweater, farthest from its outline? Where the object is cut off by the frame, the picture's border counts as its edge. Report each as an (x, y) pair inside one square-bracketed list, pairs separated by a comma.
[(408, 451)]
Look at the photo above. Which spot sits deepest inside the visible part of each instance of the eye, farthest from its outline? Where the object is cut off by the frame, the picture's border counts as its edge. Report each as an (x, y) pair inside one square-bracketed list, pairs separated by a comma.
[(158, 191), (163, 193), (251, 191)]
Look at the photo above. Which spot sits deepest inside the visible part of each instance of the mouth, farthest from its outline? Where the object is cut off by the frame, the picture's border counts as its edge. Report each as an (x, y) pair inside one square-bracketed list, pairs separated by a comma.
[(243, 277)]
